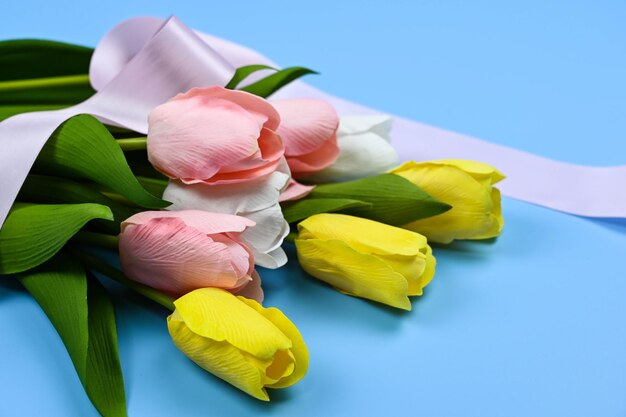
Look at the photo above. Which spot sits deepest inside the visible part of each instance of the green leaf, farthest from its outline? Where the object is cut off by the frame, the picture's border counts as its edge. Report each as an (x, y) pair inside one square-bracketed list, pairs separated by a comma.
[(268, 85), (81, 311), (82, 147), (46, 189), (242, 73), (301, 209), (395, 200), (33, 233), (33, 58)]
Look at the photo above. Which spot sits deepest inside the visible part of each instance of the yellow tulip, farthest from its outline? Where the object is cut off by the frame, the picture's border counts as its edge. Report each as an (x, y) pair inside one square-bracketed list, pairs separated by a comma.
[(468, 187), (238, 340), (365, 258)]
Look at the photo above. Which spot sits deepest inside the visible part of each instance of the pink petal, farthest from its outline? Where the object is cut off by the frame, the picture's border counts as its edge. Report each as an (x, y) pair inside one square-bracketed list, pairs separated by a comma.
[(295, 191), (239, 254), (193, 138), (252, 103), (252, 290), (316, 161), (166, 254), (306, 124), (206, 222), (271, 151)]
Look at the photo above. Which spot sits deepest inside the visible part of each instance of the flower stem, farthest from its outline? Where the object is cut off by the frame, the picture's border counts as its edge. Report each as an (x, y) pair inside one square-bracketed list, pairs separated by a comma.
[(100, 240), (35, 83), (98, 265), (133, 144)]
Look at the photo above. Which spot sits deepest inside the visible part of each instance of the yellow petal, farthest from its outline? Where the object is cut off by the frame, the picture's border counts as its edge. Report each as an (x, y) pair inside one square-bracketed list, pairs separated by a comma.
[(471, 201), (299, 351), (497, 221), (355, 273), (478, 170), (366, 236), (219, 358), (219, 315)]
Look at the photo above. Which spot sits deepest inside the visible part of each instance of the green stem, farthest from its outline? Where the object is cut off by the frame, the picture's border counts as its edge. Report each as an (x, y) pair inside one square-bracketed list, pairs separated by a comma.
[(36, 83), (98, 265), (291, 237), (133, 144), (100, 240)]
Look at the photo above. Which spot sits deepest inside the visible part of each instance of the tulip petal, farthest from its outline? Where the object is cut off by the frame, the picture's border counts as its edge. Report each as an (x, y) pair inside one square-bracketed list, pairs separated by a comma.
[(295, 191), (366, 236), (238, 199), (205, 221), (360, 155), (264, 163), (218, 357), (267, 237), (471, 201), (226, 318), (355, 273), (299, 349), (476, 169), (254, 104), (166, 254), (192, 139), (324, 156), (253, 289), (306, 124), (378, 124)]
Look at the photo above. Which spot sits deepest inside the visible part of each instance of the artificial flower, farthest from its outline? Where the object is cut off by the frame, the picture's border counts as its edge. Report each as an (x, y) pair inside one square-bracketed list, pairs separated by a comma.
[(238, 340), (309, 131), (364, 149), (180, 251), (468, 187), (214, 136), (256, 200), (365, 258)]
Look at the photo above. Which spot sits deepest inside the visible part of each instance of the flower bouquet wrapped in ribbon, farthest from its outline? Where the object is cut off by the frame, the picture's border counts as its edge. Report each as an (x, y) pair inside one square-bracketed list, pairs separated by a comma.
[(196, 161)]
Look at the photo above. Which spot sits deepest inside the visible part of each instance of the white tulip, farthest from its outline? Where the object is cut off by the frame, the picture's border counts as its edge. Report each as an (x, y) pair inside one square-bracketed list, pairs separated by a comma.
[(364, 149), (256, 200)]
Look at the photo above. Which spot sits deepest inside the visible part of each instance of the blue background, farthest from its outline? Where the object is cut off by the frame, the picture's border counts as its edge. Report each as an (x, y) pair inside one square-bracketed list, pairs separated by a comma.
[(531, 325)]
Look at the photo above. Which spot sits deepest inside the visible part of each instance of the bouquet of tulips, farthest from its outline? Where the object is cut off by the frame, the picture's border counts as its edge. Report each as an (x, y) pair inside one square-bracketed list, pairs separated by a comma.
[(225, 177)]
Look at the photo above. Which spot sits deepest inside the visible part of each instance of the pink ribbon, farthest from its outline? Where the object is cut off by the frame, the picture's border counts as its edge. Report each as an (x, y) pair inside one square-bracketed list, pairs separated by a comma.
[(143, 62)]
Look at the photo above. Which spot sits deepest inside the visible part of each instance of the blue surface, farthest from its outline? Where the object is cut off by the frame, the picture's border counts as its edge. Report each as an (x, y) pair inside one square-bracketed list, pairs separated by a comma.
[(531, 325)]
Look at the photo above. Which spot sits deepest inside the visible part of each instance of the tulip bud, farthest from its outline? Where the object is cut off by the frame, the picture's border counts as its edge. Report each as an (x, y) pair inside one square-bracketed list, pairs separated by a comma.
[(308, 128), (465, 185), (214, 136), (365, 258), (238, 340), (364, 149), (180, 251)]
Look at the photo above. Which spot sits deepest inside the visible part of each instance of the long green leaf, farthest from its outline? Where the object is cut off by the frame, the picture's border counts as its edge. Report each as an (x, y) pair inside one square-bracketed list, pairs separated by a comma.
[(33, 233), (34, 58), (54, 190), (82, 147), (81, 311), (242, 73), (301, 209), (268, 85), (394, 200)]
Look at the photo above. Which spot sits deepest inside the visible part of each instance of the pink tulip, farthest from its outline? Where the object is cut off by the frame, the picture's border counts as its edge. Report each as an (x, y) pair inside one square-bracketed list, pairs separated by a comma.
[(180, 251), (309, 130), (214, 136)]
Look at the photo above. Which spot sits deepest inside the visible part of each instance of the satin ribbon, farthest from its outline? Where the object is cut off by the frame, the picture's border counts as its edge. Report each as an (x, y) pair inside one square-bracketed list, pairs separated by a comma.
[(143, 62)]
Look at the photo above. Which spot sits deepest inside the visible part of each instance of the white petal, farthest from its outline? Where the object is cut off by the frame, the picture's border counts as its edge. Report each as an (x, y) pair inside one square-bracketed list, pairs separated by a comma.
[(360, 155), (267, 236), (229, 198), (379, 124)]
